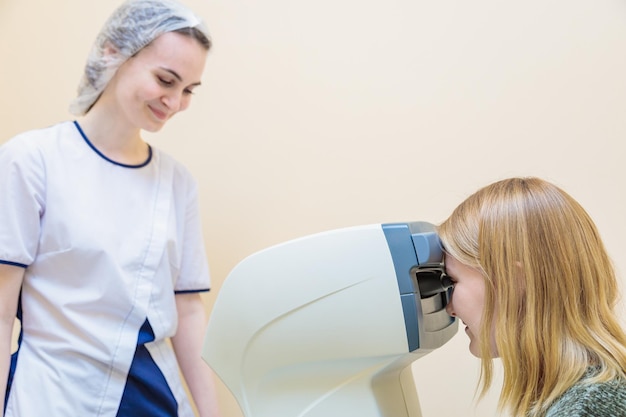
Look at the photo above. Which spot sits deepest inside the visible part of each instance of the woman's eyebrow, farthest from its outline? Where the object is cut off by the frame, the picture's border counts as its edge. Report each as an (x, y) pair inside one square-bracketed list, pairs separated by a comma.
[(446, 269), (174, 73)]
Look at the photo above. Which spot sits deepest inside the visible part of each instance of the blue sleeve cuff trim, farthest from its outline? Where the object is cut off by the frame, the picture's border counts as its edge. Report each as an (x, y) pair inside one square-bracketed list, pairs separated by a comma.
[(192, 291), (13, 264)]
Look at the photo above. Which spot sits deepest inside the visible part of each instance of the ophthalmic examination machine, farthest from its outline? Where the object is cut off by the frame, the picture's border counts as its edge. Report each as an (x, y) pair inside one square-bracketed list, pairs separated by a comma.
[(328, 325)]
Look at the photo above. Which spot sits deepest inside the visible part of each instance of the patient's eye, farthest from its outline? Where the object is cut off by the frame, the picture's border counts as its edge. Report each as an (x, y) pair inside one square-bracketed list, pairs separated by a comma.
[(447, 281)]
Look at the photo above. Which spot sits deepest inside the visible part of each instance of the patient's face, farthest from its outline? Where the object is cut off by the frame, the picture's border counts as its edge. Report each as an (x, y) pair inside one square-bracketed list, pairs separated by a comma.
[(468, 300)]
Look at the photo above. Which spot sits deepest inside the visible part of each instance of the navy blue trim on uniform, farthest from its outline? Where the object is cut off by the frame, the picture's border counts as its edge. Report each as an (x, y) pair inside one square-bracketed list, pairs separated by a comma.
[(103, 156), (12, 367), (146, 392), (13, 264), (191, 291)]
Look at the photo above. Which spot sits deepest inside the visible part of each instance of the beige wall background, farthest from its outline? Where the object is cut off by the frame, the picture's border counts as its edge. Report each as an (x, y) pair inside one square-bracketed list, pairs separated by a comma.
[(332, 113)]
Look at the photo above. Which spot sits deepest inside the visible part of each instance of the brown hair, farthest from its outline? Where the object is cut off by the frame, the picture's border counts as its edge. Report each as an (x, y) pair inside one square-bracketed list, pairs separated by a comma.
[(196, 34)]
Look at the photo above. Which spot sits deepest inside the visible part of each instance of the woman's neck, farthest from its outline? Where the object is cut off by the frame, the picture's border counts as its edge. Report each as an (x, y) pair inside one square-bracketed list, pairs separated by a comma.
[(114, 138)]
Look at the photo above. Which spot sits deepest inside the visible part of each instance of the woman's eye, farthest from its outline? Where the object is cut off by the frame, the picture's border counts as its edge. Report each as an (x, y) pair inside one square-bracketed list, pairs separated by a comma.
[(165, 81), (447, 282)]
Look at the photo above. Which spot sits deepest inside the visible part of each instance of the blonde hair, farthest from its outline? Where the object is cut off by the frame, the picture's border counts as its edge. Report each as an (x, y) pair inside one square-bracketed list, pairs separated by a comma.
[(550, 294)]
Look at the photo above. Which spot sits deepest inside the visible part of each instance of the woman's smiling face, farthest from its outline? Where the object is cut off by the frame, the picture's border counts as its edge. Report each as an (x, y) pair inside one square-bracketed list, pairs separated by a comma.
[(468, 300), (158, 82)]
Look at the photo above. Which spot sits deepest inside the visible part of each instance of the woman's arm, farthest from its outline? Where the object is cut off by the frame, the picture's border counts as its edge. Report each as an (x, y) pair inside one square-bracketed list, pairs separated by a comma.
[(10, 283), (187, 345)]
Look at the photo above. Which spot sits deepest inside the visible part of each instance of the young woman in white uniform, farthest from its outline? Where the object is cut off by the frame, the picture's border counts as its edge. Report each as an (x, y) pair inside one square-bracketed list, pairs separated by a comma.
[(101, 252)]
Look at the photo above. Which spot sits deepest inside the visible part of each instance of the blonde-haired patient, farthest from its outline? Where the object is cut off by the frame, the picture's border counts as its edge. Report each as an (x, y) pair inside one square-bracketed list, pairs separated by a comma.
[(101, 249), (534, 286)]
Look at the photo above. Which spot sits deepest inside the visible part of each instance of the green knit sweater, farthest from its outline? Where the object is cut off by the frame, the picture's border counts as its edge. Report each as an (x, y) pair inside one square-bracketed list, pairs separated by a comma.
[(607, 399)]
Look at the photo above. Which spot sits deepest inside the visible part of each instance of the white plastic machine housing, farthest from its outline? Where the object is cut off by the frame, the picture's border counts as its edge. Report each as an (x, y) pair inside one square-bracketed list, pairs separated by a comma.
[(328, 325)]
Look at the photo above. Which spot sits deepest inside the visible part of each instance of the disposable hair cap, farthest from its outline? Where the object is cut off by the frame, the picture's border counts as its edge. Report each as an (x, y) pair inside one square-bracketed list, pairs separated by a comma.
[(131, 27)]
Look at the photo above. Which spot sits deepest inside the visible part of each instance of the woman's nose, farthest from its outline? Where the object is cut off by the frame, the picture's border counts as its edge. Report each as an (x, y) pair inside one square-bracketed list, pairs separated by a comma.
[(450, 309), (172, 101)]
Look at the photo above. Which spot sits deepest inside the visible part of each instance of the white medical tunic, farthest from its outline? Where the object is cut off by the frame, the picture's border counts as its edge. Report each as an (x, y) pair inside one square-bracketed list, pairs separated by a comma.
[(105, 247)]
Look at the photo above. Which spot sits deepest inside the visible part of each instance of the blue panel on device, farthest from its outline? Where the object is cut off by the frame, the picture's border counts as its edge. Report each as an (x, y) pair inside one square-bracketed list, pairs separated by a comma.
[(412, 245)]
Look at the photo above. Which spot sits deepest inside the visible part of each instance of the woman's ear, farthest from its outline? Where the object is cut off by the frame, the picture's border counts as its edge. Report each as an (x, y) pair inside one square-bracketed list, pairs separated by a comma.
[(109, 50)]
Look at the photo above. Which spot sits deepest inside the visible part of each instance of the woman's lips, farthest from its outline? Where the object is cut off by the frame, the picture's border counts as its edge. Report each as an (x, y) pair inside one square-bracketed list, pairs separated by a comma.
[(158, 113)]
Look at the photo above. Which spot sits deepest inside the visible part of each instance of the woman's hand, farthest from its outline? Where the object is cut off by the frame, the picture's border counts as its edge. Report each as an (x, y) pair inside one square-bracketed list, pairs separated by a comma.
[(187, 345)]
